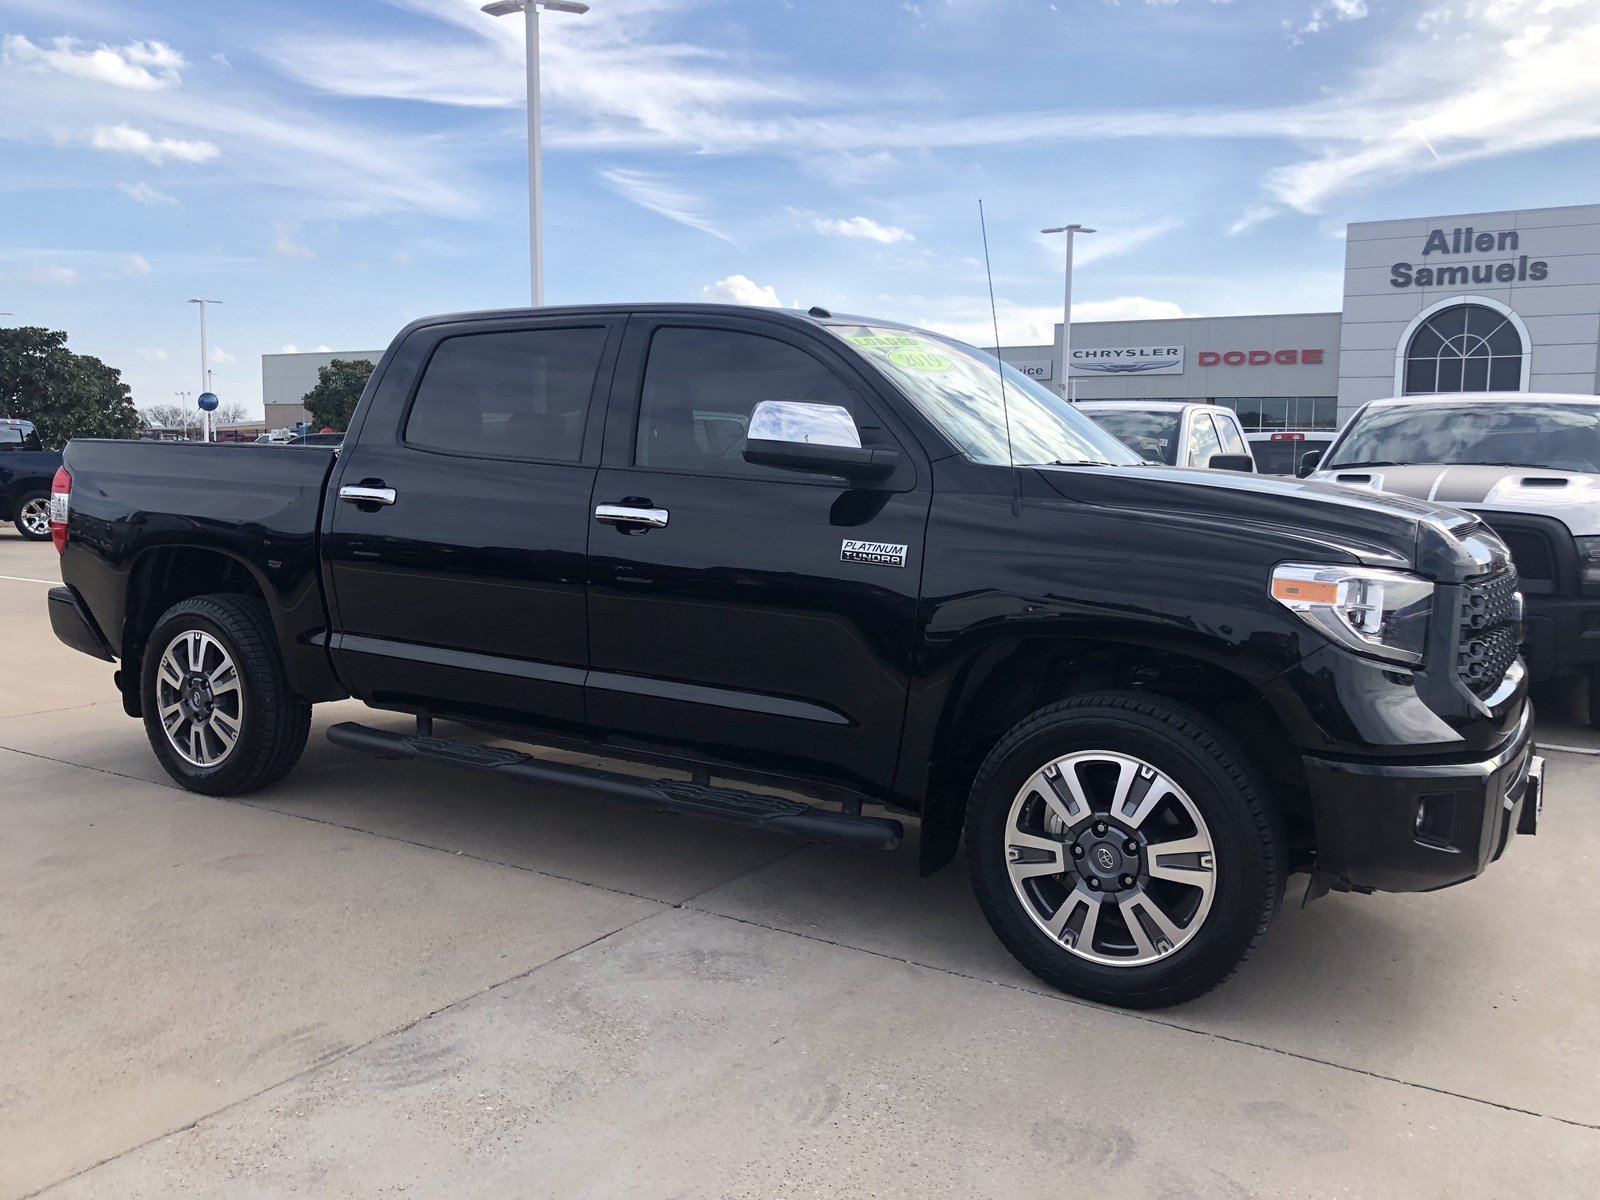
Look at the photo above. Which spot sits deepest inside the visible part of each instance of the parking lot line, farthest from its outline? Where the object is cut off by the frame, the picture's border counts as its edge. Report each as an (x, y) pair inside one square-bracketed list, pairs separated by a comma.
[(27, 579)]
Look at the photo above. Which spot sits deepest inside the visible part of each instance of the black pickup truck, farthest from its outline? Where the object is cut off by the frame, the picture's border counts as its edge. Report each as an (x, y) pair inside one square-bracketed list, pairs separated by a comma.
[(26, 469), (783, 555)]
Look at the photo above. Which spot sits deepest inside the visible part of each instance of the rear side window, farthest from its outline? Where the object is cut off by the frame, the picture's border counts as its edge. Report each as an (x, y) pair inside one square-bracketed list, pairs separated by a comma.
[(1232, 439), (700, 386), (519, 394)]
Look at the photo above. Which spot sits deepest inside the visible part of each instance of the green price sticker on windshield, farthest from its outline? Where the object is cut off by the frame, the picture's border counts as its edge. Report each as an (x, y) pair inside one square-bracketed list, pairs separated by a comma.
[(919, 360)]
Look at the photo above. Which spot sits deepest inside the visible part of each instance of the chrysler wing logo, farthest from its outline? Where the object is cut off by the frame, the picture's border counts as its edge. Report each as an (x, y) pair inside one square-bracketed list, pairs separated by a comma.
[(1127, 368)]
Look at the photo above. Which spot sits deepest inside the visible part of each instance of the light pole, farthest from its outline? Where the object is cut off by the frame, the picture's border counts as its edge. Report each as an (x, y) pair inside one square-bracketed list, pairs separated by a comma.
[(1066, 309), (205, 383), (530, 11)]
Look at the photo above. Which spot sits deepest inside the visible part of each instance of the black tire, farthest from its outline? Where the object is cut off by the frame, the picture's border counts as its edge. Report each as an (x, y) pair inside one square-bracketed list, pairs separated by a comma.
[(23, 511), (273, 721), (1246, 884)]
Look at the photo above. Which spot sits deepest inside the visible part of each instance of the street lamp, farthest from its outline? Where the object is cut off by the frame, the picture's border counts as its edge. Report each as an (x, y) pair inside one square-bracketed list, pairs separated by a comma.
[(530, 10), (1066, 309), (205, 383)]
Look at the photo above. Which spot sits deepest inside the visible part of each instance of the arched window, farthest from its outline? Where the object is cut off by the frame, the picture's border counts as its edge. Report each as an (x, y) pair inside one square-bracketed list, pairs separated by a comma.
[(1465, 348)]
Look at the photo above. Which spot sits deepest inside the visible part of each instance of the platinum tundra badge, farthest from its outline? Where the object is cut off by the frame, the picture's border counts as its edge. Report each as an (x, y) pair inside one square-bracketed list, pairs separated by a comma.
[(879, 554)]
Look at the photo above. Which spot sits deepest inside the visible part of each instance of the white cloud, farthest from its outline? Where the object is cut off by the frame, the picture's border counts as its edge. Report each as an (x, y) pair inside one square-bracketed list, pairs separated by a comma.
[(151, 353), (324, 348), (289, 348), (143, 193), (861, 227), (968, 318), (219, 355), (284, 245), (135, 264), (741, 289), (140, 66), (49, 274), (126, 139), (661, 197), (1128, 308), (1116, 239)]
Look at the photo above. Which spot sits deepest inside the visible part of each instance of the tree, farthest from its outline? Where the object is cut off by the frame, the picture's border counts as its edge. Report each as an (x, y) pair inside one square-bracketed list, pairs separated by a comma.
[(333, 401), (65, 395), (185, 418)]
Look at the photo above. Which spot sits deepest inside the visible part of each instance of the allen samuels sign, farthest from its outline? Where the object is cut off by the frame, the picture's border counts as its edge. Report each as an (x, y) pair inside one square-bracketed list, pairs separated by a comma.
[(1127, 360), (1442, 247)]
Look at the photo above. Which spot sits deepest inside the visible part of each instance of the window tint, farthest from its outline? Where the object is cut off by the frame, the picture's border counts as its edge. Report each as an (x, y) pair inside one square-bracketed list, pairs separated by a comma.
[(519, 394), (700, 386), (1203, 441), (1232, 439)]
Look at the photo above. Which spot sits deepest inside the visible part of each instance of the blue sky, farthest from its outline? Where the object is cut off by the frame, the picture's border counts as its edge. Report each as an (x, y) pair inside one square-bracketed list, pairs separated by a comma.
[(331, 170)]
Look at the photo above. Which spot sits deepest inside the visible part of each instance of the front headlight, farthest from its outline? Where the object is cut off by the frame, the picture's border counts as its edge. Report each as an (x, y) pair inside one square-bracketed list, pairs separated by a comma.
[(1380, 613)]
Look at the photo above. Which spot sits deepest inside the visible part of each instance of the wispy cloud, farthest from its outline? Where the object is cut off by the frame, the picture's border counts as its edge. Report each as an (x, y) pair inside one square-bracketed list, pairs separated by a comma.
[(662, 197), (126, 139), (48, 274), (143, 193), (284, 245), (135, 264), (861, 227), (140, 66)]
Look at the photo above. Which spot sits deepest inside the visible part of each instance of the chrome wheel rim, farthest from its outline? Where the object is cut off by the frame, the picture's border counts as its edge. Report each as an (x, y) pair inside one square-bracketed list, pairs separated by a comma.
[(35, 516), (198, 698), (1110, 858)]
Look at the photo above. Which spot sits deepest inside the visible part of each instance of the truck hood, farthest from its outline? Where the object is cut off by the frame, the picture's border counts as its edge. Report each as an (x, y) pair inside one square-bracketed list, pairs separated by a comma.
[(1572, 497), (1369, 526)]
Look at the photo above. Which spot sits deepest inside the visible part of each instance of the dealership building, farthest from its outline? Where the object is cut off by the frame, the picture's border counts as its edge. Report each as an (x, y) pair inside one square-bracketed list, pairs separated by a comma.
[(1465, 303)]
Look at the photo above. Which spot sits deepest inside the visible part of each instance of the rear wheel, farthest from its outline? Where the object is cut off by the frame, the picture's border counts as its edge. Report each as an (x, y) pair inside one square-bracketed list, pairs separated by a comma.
[(33, 516), (1123, 850), (218, 710)]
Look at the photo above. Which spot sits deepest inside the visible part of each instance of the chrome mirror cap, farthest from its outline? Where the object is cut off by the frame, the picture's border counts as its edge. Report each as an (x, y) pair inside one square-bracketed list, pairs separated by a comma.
[(799, 421)]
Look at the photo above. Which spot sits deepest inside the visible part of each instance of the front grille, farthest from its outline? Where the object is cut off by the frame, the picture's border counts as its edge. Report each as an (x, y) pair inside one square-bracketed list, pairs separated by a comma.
[(1530, 550), (1490, 631)]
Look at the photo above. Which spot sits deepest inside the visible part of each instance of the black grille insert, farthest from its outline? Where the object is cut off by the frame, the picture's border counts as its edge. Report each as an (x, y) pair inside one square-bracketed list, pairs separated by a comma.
[(1490, 631)]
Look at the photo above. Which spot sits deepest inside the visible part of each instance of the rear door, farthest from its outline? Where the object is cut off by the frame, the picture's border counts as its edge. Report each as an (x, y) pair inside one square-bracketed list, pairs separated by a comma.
[(459, 520), (745, 626)]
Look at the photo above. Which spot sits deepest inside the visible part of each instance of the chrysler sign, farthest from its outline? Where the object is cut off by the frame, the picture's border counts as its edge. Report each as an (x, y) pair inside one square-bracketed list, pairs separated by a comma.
[(1127, 360)]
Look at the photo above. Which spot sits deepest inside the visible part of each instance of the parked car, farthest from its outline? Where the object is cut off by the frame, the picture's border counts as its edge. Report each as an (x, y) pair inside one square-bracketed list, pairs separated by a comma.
[(26, 469), (822, 554), (1280, 452), (315, 439), (1176, 433), (1528, 464)]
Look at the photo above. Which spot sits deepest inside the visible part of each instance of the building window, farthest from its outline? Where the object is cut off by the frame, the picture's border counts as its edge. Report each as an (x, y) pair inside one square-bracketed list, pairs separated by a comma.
[(1260, 414), (1464, 348)]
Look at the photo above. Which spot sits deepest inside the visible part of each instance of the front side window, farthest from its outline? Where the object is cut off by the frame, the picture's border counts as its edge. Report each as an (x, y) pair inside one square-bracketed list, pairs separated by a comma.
[(960, 390), (518, 394), (1562, 437), (1464, 348), (701, 385), (1203, 442)]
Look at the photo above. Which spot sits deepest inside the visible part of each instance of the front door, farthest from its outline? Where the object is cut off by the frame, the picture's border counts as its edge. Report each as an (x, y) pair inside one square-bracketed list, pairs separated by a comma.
[(460, 519), (744, 626)]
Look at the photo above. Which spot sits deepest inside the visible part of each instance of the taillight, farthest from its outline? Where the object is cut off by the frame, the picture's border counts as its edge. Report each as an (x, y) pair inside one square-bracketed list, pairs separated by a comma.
[(60, 503)]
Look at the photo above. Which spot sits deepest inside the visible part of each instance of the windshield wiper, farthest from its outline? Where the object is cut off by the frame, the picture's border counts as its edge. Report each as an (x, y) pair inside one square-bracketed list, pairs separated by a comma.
[(1090, 462), (1377, 462)]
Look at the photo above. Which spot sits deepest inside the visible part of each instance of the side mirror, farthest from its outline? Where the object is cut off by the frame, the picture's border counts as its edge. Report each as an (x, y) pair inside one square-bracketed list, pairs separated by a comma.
[(1308, 462), (1232, 462), (822, 438)]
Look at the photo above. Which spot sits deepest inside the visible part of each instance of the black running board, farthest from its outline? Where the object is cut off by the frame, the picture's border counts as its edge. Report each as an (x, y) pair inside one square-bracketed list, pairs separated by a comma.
[(778, 814)]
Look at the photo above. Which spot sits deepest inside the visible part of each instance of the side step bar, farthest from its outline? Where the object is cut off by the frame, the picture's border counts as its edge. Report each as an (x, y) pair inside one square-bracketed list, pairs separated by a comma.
[(776, 813)]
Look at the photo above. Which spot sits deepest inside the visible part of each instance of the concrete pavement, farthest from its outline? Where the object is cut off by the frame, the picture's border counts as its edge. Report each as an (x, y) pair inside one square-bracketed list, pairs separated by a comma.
[(378, 978)]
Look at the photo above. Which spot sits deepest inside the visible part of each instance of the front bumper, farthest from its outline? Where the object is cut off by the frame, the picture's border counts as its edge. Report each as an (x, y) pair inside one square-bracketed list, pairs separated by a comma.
[(1416, 827), (1561, 634)]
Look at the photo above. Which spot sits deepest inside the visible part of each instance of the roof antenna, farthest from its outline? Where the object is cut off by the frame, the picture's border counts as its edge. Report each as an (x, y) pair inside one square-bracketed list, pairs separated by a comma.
[(1005, 407)]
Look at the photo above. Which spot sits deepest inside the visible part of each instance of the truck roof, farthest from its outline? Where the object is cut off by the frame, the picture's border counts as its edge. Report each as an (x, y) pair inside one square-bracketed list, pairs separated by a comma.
[(815, 316), (1487, 398)]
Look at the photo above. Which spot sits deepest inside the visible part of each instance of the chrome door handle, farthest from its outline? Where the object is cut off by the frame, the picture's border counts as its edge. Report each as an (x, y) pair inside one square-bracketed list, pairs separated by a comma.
[(367, 495), (623, 514)]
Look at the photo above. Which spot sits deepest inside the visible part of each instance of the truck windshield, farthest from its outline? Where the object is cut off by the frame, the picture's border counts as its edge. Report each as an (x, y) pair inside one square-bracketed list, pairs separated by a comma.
[(958, 389), (1562, 437), (1151, 434)]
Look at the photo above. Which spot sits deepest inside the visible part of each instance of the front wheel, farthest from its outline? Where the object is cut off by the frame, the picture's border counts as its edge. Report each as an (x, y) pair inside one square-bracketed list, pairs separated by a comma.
[(1123, 850), (218, 710), (33, 516)]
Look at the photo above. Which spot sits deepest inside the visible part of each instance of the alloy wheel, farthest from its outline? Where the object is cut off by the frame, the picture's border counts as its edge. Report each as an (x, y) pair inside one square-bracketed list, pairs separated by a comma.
[(35, 516), (199, 699), (1110, 857)]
